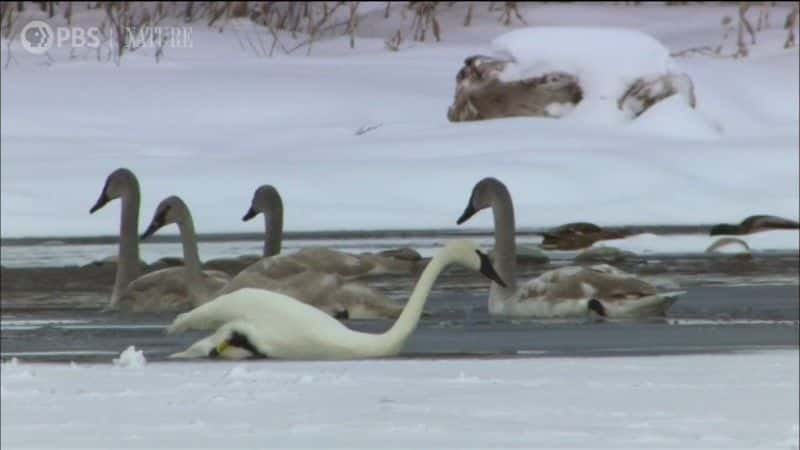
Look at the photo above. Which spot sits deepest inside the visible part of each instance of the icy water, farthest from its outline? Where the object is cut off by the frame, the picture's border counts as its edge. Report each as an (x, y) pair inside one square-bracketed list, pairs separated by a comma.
[(54, 313)]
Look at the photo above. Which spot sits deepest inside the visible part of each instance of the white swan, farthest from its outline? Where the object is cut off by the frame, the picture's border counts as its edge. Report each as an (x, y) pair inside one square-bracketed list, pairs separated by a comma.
[(563, 292), (175, 288), (267, 200), (253, 322)]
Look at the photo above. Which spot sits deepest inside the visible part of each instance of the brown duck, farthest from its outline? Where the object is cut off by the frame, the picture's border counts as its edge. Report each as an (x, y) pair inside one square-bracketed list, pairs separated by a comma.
[(578, 235), (754, 224)]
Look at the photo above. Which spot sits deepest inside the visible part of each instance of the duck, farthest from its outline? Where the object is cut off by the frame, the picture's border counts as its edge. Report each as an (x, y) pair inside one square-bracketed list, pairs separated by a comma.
[(754, 224), (578, 235), (571, 291), (260, 323)]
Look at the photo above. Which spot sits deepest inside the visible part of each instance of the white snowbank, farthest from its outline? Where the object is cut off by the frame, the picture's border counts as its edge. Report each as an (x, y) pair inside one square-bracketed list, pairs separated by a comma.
[(605, 60), (702, 401), (131, 358)]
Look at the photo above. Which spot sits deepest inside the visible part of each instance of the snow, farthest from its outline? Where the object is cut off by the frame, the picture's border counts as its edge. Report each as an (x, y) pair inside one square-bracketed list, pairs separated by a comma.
[(706, 401), (214, 121), (605, 60), (131, 358), (696, 243)]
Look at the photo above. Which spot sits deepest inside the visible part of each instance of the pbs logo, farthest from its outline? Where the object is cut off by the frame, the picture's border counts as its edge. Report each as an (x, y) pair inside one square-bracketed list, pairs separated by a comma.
[(37, 37)]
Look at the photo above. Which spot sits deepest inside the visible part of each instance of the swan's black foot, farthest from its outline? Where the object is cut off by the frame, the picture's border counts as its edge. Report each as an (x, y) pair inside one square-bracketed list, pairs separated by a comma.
[(342, 315), (596, 306)]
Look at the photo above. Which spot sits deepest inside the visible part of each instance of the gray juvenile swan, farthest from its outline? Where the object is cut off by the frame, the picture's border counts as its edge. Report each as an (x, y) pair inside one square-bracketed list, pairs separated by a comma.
[(122, 184), (317, 276), (254, 322), (563, 292), (177, 288), (267, 200)]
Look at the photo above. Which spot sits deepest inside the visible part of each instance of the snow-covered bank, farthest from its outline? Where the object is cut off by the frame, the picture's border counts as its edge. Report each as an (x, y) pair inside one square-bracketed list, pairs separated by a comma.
[(704, 401), (212, 122)]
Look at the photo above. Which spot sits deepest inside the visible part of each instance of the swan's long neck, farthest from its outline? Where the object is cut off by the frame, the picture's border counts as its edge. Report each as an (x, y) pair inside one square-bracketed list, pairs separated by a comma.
[(273, 229), (392, 341), (505, 245), (128, 267), (191, 260)]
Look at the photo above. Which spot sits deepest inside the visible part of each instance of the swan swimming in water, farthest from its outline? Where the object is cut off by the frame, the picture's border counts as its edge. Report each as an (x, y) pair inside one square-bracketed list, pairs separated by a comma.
[(254, 322), (318, 276), (188, 286), (564, 292), (160, 290), (122, 184), (266, 200)]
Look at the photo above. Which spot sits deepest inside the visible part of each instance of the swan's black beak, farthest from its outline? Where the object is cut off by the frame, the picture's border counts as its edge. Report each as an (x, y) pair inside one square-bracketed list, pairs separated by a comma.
[(469, 211), (100, 202), (158, 221), (150, 230), (236, 340), (596, 306), (488, 270), (249, 214)]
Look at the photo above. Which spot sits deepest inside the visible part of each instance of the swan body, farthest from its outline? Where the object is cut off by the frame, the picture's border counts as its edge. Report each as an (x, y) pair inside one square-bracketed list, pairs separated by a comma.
[(256, 322), (564, 292), (329, 292), (166, 290)]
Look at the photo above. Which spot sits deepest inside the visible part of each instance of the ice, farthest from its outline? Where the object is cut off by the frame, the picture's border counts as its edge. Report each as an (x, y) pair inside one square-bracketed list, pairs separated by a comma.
[(131, 358), (776, 240)]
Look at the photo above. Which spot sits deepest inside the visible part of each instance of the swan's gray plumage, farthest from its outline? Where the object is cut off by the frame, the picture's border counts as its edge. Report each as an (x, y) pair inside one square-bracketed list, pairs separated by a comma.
[(123, 184), (177, 288), (267, 201), (166, 290), (329, 292), (318, 276)]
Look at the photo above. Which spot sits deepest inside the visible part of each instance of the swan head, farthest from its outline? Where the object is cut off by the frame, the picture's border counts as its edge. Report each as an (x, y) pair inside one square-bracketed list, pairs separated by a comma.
[(467, 254), (171, 210), (481, 197), (265, 198), (118, 183)]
